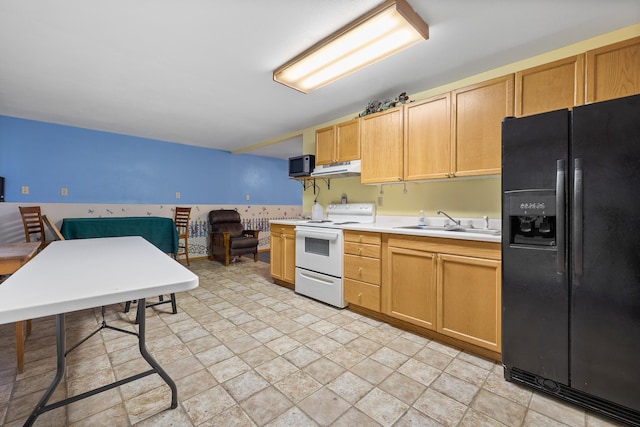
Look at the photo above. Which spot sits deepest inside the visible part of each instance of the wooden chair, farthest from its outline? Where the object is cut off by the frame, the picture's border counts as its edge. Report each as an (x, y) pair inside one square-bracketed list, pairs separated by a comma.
[(181, 219), (52, 227), (33, 225), (33, 222)]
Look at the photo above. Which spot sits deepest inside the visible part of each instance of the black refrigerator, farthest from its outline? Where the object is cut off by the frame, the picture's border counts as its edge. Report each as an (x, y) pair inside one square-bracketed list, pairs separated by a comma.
[(571, 255)]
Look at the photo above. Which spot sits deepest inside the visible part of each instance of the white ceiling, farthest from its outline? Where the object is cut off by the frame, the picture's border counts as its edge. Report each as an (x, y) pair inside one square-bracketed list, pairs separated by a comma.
[(199, 72)]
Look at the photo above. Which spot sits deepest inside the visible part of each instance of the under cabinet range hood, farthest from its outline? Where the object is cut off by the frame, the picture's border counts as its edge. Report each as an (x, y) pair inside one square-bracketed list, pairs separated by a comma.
[(336, 170)]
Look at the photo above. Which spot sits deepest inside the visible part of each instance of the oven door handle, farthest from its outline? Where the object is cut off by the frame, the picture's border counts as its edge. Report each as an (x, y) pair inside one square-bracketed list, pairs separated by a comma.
[(331, 236), (317, 278)]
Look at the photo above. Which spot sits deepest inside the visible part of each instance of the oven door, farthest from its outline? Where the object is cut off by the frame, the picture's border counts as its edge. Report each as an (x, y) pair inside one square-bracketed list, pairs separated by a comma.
[(319, 249)]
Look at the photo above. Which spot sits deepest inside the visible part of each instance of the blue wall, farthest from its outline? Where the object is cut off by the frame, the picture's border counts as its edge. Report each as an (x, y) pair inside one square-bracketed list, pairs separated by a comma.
[(103, 167)]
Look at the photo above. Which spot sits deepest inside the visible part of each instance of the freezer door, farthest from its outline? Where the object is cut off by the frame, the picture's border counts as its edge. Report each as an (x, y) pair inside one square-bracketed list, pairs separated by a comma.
[(605, 307), (531, 147), (535, 289)]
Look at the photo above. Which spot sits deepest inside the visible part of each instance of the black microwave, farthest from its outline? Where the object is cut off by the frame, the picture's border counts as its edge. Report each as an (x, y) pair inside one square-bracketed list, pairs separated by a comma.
[(302, 165)]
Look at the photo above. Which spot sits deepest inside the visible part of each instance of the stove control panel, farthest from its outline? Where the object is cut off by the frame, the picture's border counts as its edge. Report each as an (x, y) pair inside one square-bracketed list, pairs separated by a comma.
[(352, 212), (352, 208)]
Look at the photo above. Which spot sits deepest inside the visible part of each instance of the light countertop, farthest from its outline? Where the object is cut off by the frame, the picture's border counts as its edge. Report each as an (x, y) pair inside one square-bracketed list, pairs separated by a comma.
[(390, 224)]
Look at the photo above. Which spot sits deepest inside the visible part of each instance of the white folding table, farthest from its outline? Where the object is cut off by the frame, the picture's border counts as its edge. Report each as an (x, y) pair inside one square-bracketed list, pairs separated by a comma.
[(72, 275)]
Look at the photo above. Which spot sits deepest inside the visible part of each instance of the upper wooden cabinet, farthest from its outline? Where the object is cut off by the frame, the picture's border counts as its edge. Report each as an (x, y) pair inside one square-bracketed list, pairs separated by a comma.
[(478, 111), (613, 71), (381, 136), (338, 143), (453, 134), (325, 143), (548, 87), (427, 138)]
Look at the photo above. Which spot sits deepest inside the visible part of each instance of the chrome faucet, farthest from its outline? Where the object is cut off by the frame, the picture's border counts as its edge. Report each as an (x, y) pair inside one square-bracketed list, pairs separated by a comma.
[(457, 222)]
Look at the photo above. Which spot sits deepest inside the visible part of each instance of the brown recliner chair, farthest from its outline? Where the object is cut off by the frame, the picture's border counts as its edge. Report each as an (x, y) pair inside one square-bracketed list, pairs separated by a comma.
[(229, 239)]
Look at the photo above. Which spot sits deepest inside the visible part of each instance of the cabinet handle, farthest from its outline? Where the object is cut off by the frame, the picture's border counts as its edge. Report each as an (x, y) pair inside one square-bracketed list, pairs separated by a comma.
[(359, 269), (359, 251), (360, 297), (446, 175)]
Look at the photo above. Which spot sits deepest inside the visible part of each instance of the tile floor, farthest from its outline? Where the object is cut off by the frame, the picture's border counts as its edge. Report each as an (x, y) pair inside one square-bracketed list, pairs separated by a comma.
[(246, 352)]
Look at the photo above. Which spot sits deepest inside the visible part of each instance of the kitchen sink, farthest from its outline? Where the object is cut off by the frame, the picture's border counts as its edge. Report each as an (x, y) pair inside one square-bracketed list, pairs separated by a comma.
[(489, 231), (423, 227), (453, 228)]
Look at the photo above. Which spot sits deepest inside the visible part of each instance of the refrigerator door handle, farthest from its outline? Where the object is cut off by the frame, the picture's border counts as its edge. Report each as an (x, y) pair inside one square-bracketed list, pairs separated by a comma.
[(560, 219), (577, 221)]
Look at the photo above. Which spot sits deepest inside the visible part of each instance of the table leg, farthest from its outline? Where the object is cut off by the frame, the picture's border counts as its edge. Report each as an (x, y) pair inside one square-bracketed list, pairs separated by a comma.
[(150, 360), (20, 345), (61, 365)]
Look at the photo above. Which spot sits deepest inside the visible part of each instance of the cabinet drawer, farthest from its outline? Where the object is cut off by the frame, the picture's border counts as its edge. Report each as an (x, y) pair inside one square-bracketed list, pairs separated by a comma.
[(361, 268), (362, 237), (361, 249), (277, 230), (362, 294)]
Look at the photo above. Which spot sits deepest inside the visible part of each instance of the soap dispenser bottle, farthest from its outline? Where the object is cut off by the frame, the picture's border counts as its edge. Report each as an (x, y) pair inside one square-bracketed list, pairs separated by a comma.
[(421, 222)]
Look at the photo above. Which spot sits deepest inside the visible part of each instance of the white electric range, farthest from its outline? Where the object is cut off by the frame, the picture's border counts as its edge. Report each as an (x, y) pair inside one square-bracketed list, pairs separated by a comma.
[(319, 251)]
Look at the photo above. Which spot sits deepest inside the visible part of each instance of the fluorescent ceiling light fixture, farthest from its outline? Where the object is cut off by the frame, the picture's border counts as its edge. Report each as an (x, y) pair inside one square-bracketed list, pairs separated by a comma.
[(389, 28)]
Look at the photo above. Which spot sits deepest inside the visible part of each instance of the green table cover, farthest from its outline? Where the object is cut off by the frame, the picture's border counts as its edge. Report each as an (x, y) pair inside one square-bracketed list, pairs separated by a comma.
[(161, 232)]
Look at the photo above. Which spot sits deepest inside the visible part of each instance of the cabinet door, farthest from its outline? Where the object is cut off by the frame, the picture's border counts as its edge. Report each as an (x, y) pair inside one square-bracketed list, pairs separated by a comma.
[(427, 138), (283, 253), (478, 111), (348, 140), (381, 138), (552, 86), (613, 71), (289, 257), (276, 245), (409, 288), (325, 150), (469, 300)]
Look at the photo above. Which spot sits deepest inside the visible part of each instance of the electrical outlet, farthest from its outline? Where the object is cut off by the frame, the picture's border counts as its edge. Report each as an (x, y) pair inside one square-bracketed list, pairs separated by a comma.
[(64, 191), (24, 189), (246, 196), (380, 201), (177, 194)]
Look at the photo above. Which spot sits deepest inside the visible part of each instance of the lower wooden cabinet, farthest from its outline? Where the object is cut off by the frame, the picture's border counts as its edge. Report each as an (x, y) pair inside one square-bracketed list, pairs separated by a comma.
[(410, 288), (362, 269), (469, 299), (283, 253), (452, 287)]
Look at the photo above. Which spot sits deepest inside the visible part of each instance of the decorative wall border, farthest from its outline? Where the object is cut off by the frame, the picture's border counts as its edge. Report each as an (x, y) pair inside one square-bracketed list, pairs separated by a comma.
[(255, 217)]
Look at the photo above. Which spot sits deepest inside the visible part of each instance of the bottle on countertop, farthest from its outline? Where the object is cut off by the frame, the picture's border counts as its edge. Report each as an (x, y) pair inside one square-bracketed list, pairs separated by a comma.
[(421, 222), (317, 212)]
